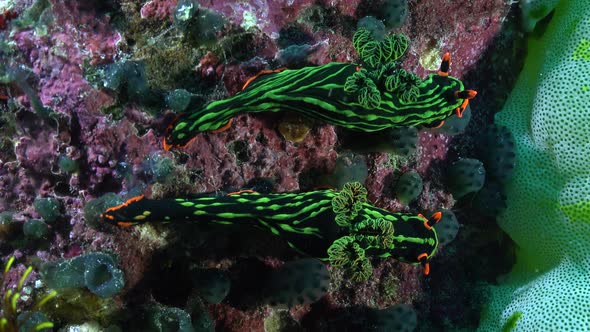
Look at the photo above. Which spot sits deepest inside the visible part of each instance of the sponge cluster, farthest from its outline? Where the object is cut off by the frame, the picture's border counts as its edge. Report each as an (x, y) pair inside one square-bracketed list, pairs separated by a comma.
[(96, 271), (298, 282), (397, 318)]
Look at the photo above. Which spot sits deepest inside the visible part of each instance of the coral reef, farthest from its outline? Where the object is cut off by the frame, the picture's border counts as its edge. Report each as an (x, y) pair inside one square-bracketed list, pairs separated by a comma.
[(89, 89), (13, 319)]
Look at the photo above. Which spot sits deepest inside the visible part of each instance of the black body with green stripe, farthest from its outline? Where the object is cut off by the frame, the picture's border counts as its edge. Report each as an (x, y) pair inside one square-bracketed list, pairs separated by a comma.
[(319, 93), (308, 221)]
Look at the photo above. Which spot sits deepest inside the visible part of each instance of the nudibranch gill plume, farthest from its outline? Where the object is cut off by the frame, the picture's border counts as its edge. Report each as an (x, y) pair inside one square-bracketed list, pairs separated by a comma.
[(376, 95), (340, 227)]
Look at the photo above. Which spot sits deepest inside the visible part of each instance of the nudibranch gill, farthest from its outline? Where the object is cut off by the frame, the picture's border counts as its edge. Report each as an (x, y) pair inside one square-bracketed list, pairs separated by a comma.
[(340, 227), (376, 95)]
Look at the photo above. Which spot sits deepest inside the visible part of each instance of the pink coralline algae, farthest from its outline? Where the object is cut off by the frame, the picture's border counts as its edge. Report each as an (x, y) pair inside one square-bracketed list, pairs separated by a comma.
[(37, 155), (253, 148), (112, 136), (58, 59), (158, 9), (465, 29)]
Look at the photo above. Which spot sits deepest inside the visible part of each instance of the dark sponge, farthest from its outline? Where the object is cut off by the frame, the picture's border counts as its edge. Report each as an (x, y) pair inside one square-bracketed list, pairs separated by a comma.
[(496, 149), (465, 176), (408, 187), (298, 282)]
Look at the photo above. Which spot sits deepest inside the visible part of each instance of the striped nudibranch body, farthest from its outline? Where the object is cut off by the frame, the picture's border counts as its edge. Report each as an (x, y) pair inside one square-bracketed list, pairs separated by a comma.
[(374, 96), (319, 93), (326, 224)]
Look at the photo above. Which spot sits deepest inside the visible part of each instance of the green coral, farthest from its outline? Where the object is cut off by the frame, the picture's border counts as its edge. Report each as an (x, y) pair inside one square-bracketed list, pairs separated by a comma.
[(548, 195), (510, 324), (11, 319), (582, 51)]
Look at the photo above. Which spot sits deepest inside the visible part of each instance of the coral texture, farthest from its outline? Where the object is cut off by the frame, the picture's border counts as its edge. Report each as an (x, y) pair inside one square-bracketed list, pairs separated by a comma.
[(548, 212)]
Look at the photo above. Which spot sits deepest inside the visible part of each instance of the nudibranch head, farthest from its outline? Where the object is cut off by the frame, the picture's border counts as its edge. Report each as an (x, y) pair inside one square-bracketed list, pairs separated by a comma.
[(374, 232)]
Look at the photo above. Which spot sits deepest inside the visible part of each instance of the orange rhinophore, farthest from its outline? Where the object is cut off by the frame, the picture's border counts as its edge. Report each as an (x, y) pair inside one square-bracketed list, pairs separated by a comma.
[(428, 223), (423, 258), (445, 65), (466, 95)]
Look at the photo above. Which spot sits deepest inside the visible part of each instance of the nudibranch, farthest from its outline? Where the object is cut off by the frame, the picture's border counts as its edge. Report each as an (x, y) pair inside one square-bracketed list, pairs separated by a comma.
[(340, 227), (376, 95)]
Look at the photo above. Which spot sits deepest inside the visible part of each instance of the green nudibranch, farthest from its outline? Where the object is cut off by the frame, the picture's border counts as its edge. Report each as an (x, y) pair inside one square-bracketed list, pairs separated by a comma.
[(374, 96), (339, 227)]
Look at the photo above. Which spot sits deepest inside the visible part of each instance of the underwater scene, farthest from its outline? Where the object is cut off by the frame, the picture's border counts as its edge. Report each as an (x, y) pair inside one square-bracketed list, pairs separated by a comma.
[(294, 165)]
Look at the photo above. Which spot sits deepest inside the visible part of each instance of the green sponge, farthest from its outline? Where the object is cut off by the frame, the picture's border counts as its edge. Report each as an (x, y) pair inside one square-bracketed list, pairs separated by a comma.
[(213, 284), (95, 207), (548, 212), (408, 187), (35, 229), (490, 200), (397, 318), (400, 141), (96, 271), (496, 149), (48, 208), (455, 125), (465, 176), (101, 275), (168, 319), (298, 282), (447, 227), (178, 100)]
